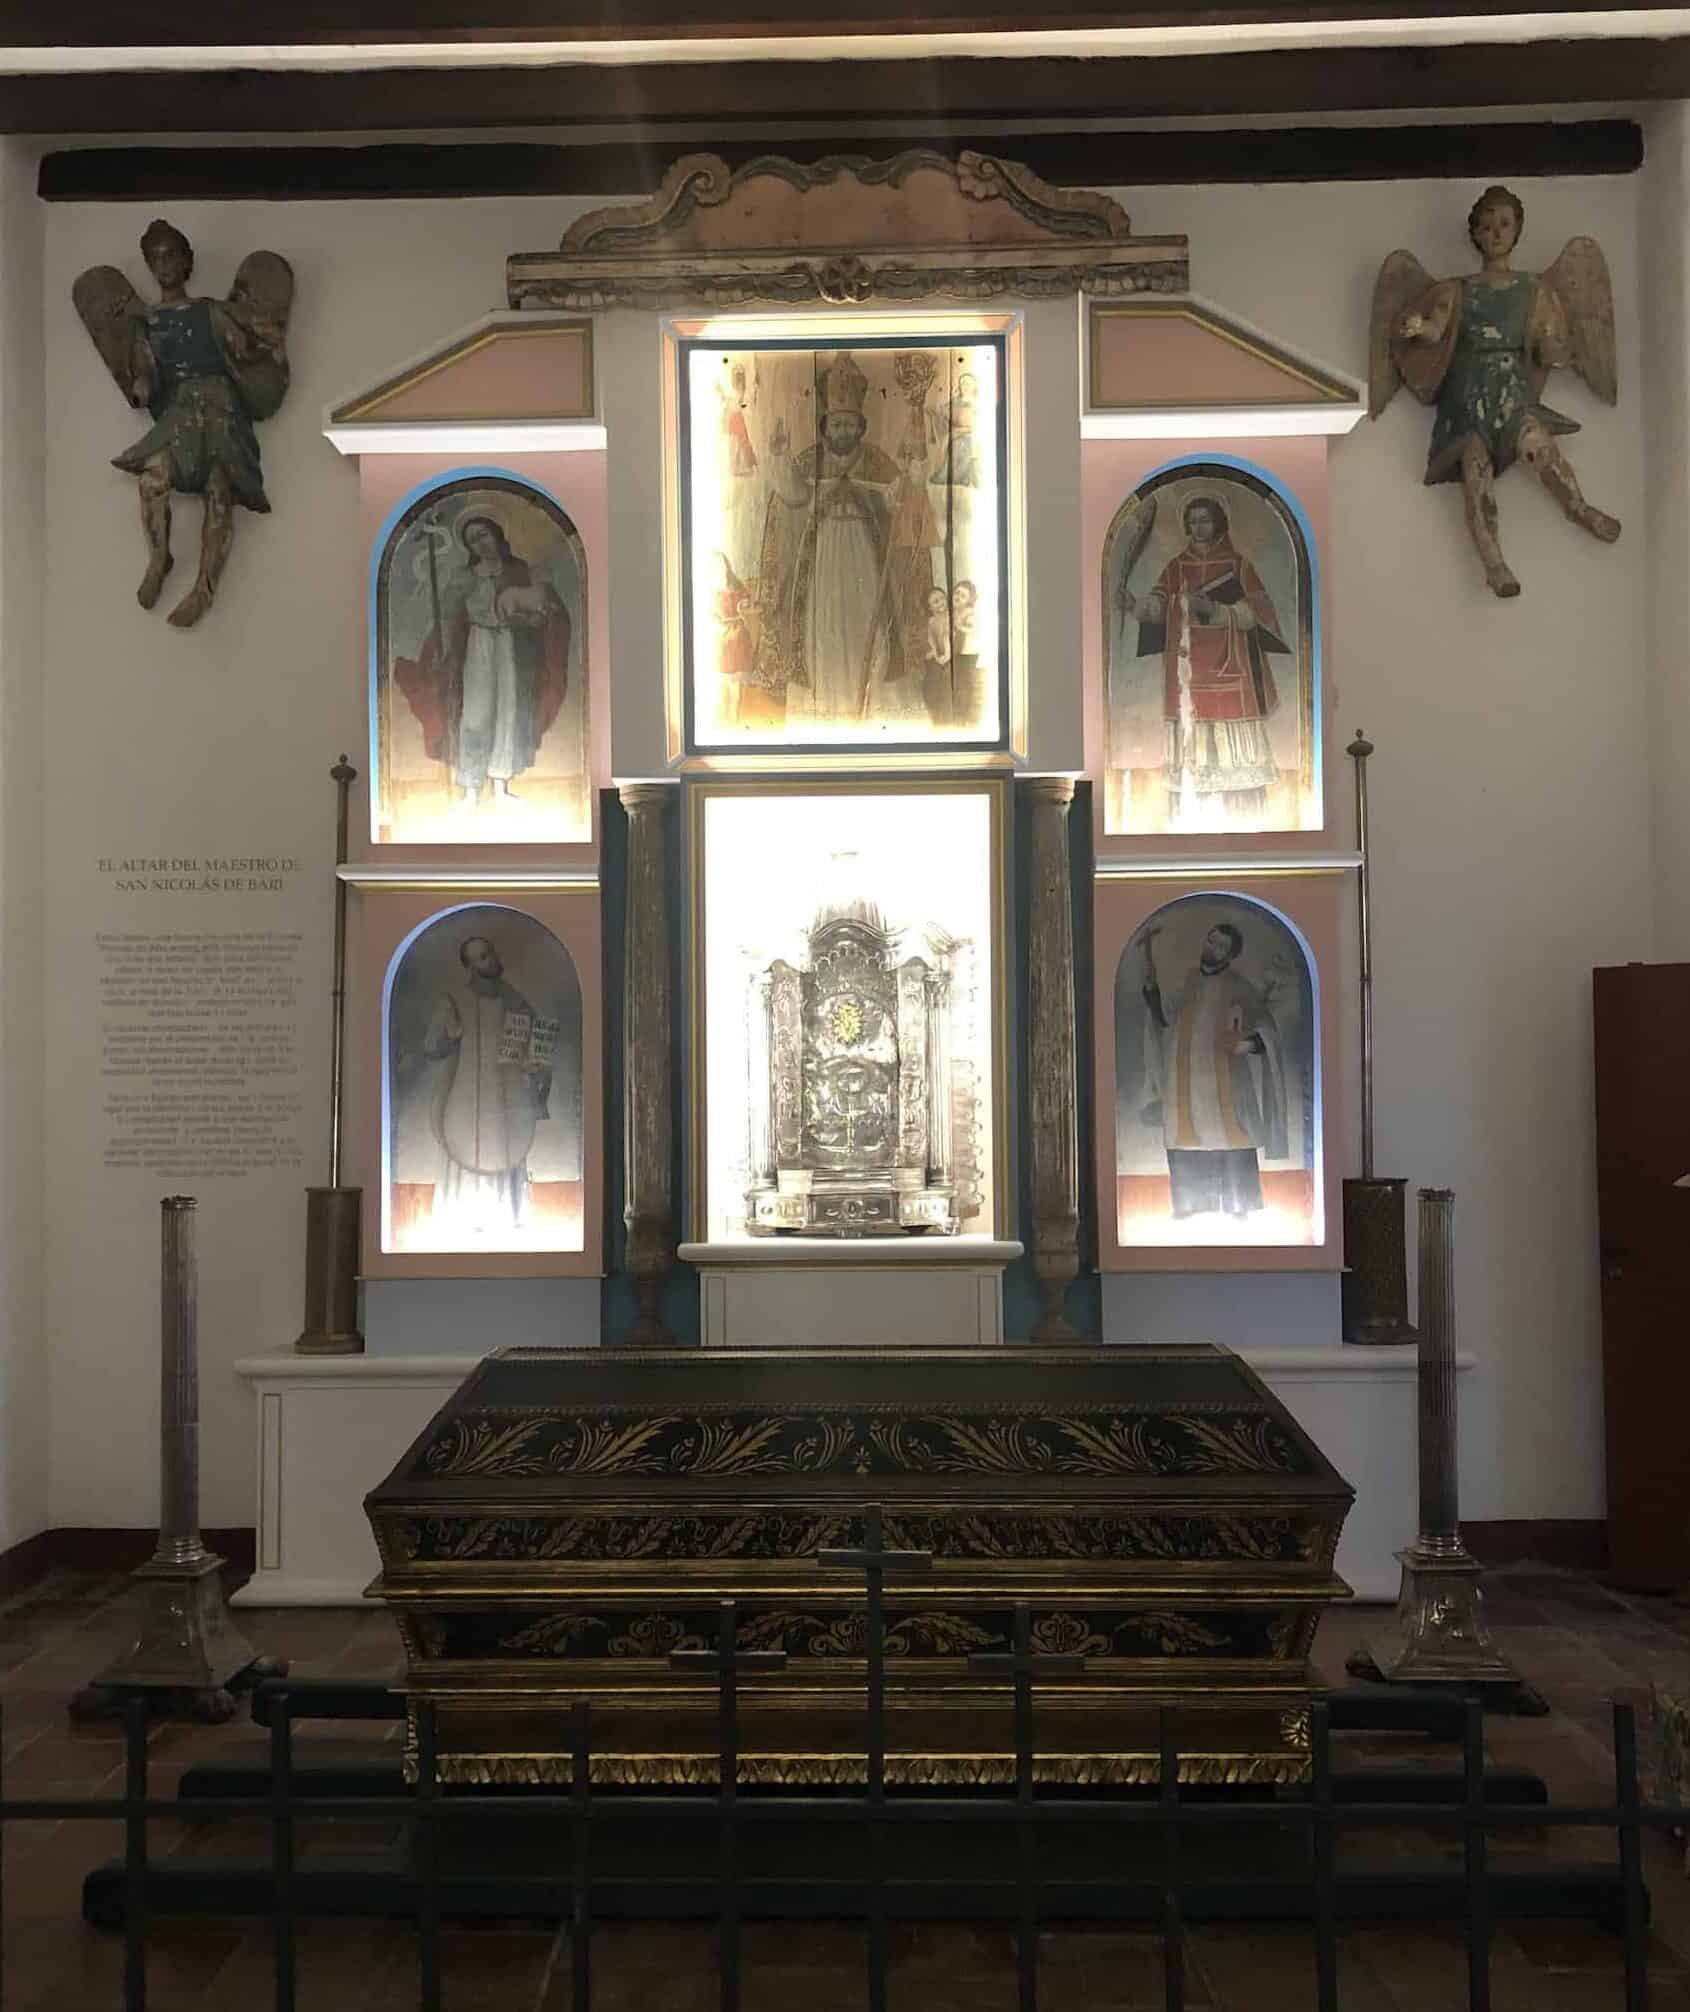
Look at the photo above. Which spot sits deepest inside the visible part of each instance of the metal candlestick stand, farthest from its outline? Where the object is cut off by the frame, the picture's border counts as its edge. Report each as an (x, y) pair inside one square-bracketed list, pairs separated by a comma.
[(1375, 1280), (187, 1655), (1438, 1635), (333, 1215)]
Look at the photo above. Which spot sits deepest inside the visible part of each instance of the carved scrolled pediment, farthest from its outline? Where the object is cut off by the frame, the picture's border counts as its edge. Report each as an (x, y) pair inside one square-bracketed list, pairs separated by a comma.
[(847, 230)]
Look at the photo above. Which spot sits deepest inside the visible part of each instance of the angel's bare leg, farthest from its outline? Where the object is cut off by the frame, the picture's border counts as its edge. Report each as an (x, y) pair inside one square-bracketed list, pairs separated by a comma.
[(1478, 489), (215, 540), (1541, 453), (155, 522)]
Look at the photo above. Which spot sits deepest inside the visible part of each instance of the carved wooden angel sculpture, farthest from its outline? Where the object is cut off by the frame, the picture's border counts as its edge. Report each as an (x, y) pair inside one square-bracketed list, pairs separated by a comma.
[(205, 370), (1480, 348)]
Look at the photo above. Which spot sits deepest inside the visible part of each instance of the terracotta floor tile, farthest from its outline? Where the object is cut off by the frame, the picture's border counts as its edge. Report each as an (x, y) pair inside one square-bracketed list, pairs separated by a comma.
[(1271, 1968)]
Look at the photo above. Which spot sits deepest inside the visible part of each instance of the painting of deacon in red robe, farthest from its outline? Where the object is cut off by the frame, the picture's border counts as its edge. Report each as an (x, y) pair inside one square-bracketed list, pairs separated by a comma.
[(1212, 622)]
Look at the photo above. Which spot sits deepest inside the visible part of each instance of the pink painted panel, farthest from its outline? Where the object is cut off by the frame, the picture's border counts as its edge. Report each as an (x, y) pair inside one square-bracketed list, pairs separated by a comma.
[(576, 482), (380, 921), (1110, 470), (509, 374), (1313, 904), (1157, 359)]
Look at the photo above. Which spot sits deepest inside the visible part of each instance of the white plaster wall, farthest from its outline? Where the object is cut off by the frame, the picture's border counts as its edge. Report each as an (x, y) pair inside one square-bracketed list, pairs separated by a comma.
[(1665, 185), (1510, 793), (216, 739), (1512, 809), (23, 1358)]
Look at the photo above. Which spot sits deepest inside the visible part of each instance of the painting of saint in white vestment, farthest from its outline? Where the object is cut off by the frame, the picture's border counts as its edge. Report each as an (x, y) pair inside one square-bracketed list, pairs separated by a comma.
[(844, 533), (480, 671), (484, 1088), (1216, 1121), (1208, 647)]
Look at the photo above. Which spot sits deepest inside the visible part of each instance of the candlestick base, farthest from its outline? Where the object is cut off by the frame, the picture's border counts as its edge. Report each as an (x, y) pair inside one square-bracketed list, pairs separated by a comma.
[(187, 1657), (1438, 1635)]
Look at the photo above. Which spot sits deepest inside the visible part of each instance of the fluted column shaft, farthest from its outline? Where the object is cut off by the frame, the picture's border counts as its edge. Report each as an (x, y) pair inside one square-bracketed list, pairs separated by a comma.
[(1440, 1504), (647, 1048), (1053, 1148), (179, 1387)]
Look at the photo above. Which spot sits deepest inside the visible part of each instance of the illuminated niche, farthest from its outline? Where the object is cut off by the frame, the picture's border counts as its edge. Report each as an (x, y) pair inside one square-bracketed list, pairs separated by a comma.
[(1211, 658), (1217, 1081), (844, 537), (482, 1072), (846, 955), (478, 673)]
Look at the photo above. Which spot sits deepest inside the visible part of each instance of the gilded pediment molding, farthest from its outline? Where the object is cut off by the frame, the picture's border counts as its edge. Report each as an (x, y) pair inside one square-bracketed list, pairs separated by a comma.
[(844, 231)]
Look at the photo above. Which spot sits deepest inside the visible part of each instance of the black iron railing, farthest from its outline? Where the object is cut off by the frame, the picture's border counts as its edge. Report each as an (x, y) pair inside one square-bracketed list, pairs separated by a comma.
[(1169, 1891)]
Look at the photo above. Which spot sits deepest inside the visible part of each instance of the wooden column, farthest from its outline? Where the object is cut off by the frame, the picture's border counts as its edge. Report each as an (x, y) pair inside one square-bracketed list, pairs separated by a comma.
[(1053, 1144), (648, 1159)]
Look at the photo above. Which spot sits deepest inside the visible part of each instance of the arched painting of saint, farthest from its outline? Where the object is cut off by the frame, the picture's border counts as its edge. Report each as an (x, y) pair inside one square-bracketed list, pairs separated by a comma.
[(1208, 647), (482, 1039), (480, 715), (1217, 1137), (844, 537)]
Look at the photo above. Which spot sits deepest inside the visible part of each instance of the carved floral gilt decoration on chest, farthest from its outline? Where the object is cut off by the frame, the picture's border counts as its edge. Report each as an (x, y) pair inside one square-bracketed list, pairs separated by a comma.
[(731, 1442)]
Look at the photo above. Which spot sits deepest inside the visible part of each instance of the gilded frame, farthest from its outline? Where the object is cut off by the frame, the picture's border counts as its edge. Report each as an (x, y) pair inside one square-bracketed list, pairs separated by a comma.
[(833, 328), (698, 792)]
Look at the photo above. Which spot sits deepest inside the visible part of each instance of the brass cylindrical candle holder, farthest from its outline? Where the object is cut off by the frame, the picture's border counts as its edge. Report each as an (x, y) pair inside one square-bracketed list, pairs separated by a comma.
[(332, 1237), (333, 1214), (1375, 1283), (1374, 1303)]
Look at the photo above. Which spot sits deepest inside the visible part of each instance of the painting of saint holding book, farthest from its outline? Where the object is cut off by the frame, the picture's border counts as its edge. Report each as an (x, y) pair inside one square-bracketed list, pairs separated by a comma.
[(1208, 647)]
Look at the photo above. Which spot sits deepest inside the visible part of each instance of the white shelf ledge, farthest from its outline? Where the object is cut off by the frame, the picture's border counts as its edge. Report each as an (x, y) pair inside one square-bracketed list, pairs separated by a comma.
[(921, 1253)]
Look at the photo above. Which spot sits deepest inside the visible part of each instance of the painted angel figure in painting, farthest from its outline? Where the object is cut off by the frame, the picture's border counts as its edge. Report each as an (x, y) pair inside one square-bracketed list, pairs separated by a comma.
[(205, 370), (1480, 348)]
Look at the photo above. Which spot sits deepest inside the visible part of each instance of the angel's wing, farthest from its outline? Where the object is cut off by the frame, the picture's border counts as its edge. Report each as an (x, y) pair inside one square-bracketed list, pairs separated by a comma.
[(1402, 278), (109, 307), (1579, 281), (261, 300)]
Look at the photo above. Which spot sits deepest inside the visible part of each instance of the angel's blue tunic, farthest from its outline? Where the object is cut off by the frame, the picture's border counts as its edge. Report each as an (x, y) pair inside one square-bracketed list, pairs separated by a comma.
[(199, 419), (1487, 389)]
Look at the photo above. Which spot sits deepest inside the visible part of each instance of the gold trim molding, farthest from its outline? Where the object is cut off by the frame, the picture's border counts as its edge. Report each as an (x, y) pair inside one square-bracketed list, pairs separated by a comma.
[(912, 1770)]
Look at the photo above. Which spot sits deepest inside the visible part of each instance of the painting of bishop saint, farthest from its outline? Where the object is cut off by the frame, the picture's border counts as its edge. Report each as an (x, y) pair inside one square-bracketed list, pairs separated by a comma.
[(844, 545), (480, 671), (1216, 1115), (484, 1086), (1208, 648)]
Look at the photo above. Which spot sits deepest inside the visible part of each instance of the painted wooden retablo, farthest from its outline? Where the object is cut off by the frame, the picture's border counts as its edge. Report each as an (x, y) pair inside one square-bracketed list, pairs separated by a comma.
[(574, 1516)]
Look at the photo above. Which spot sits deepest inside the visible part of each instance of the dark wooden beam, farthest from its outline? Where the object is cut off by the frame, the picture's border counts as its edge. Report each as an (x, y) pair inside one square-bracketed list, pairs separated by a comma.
[(721, 96), (81, 24), (1106, 160)]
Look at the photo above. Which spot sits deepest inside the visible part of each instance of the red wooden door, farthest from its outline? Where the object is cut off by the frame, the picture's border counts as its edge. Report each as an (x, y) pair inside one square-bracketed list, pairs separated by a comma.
[(1642, 1016)]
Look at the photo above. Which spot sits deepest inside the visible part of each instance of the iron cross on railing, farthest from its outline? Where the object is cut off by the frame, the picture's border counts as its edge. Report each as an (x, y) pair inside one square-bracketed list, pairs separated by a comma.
[(877, 1565)]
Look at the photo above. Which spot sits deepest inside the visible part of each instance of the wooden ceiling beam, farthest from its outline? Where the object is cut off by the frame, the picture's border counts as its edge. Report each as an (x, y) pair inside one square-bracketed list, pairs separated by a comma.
[(82, 24), (720, 96), (1475, 150)]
